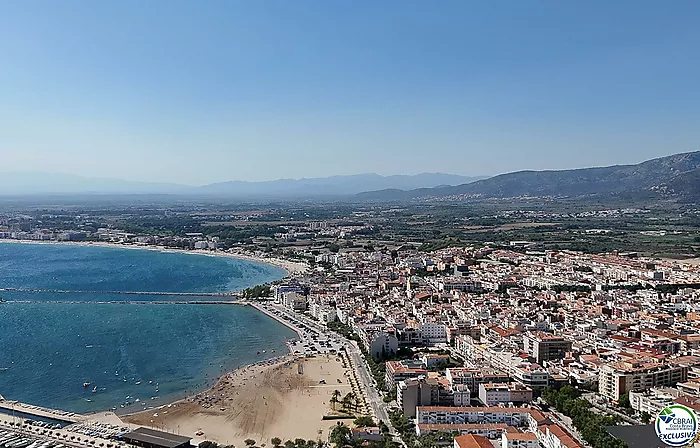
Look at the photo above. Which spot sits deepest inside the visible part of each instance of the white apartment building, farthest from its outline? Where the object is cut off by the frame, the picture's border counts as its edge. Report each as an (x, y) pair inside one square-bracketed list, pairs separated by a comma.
[(519, 440), (460, 415), (494, 394)]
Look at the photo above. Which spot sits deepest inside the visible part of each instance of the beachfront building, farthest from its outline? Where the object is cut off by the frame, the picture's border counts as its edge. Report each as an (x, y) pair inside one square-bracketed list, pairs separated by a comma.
[(380, 343), (295, 301), (430, 391), (397, 371)]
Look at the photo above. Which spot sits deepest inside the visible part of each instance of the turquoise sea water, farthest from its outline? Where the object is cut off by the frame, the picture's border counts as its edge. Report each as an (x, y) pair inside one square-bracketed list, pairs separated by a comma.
[(49, 349)]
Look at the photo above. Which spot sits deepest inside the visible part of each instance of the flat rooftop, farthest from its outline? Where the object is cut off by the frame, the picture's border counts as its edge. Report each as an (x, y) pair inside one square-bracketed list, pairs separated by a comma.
[(153, 437)]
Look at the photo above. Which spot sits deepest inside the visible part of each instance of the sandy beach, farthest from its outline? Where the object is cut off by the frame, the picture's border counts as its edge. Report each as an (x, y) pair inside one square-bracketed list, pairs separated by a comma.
[(285, 398), (292, 267)]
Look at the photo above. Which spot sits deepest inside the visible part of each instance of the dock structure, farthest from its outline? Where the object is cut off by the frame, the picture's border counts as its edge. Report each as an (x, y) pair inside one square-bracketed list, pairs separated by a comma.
[(38, 411), (137, 293)]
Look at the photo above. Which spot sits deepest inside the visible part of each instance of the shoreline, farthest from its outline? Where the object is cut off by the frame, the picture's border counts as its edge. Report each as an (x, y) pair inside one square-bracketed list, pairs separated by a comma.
[(290, 267), (275, 317)]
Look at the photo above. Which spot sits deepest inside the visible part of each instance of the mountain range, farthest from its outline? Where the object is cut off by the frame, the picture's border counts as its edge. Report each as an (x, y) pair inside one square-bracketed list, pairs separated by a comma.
[(676, 176), (24, 183)]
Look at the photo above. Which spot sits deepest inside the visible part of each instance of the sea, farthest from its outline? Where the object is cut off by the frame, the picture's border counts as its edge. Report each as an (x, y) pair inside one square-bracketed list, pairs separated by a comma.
[(135, 351)]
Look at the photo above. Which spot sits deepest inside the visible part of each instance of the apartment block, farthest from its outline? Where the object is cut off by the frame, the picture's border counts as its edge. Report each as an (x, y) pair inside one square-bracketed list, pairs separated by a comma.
[(492, 394), (544, 346), (625, 376)]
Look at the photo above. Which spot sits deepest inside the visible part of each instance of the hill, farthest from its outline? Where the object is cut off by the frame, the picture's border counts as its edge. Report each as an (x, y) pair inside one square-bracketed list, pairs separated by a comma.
[(675, 175)]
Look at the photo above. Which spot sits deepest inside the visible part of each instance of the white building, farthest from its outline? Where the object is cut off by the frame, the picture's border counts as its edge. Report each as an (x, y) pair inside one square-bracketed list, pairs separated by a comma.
[(502, 393), (294, 301), (434, 333), (519, 440)]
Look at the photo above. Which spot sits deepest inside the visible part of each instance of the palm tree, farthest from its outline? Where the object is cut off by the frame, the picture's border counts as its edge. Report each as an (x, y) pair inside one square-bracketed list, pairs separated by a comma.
[(249, 442), (334, 398), (276, 441), (348, 400), (358, 403)]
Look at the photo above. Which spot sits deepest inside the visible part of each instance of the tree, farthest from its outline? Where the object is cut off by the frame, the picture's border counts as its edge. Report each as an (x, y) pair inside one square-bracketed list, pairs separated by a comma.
[(289, 444), (348, 401), (364, 421), (334, 248), (249, 442), (340, 435), (276, 441), (624, 400), (645, 417), (334, 398)]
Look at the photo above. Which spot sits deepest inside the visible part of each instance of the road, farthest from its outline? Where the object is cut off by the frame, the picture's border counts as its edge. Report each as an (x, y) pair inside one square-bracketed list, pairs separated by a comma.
[(593, 400)]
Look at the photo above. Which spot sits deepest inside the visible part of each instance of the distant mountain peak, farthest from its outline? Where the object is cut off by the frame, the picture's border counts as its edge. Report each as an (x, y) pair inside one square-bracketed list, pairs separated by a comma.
[(21, 183)]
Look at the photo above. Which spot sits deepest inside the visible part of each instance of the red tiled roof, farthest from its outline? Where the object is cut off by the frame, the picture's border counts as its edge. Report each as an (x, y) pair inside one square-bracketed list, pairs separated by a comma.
[(472, 441)]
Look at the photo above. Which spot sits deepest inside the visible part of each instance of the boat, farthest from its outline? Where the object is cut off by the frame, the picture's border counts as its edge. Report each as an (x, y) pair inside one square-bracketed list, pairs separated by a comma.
[(138, 382), (86, 384), (94, 389), (258, 352)]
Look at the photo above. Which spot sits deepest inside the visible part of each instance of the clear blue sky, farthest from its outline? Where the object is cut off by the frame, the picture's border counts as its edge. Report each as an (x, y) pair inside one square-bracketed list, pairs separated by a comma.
[(198, 92)]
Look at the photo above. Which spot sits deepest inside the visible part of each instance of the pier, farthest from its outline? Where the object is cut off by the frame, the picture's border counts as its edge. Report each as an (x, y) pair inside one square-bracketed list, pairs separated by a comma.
[(136, 293), (37, 411)]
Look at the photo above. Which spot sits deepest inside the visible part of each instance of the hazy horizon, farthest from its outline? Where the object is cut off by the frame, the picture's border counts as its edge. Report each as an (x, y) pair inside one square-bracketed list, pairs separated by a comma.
[(195, 94)]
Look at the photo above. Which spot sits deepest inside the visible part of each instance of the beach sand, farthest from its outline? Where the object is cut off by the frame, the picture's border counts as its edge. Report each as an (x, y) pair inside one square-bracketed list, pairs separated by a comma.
[(258, 402)]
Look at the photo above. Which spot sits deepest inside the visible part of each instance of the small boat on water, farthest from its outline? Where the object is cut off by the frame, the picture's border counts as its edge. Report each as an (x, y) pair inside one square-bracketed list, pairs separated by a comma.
[(258, 352), (86, 384), (138, 382), (94, 389)]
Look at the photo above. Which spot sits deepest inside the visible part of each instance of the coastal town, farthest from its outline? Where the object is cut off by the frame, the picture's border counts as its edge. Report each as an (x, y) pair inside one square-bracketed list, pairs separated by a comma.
[(504, 346)]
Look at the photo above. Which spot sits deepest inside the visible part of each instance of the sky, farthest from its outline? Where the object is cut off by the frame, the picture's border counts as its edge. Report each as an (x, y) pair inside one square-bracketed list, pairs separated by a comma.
[(201, 92)]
